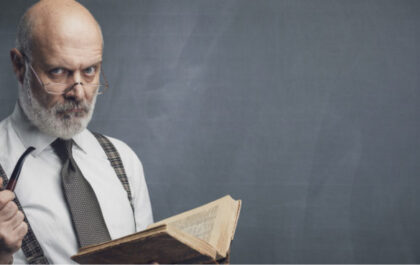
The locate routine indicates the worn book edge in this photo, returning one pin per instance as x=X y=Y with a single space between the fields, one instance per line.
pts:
x=192 y=242
x=236 y=218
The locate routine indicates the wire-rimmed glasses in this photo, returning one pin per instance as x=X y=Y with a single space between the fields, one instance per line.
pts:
x=62 y=88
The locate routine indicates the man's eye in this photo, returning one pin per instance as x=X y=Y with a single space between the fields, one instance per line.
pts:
x=90 y=70
x=57 y=71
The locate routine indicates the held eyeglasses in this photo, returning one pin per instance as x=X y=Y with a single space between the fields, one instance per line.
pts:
x=64 y=86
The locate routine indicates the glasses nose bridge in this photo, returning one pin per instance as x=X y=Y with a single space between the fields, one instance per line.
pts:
x=72 y=81
x=75 y=78
x=73 y=87
x=75 y=84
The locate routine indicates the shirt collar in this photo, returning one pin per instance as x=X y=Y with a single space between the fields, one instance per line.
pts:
x=30 y=135
x=81 y=140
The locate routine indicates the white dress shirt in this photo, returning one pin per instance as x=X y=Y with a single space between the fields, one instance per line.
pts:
x=40 y=193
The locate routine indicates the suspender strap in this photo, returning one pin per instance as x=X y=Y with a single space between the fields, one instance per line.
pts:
x=115 y=160
x=30 y=245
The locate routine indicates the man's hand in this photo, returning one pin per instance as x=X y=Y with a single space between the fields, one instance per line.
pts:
x=12 y=226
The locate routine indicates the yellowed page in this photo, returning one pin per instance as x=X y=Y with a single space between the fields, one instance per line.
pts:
x=198 y=224
x=212 y=222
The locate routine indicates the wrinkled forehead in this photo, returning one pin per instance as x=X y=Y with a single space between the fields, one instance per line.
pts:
x=70 y=39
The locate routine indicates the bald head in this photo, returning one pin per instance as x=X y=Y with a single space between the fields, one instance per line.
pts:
x=51 y=22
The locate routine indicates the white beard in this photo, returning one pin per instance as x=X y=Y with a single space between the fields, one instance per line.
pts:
x=55 y=121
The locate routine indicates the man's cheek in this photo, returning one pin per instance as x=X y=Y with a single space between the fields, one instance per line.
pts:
x=47 y=101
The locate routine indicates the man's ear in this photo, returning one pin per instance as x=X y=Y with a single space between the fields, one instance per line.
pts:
x=18 y=63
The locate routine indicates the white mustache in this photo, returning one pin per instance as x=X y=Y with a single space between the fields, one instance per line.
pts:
x=71 y=105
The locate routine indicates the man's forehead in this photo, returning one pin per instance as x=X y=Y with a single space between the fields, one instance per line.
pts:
x=67 y=40
x=68 y=56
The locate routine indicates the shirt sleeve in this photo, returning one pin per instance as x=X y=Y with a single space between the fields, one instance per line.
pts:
x=136 y=179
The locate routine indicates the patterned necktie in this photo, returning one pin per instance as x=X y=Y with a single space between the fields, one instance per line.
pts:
x=81 y=200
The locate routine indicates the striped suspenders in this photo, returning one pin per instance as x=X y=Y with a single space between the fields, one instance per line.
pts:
x=30 y=245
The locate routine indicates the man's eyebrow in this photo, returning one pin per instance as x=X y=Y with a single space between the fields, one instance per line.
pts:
x=49 y=66
x=52 y=66
x=97 y=63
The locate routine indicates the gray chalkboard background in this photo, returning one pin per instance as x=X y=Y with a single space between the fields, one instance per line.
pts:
x=306 y=110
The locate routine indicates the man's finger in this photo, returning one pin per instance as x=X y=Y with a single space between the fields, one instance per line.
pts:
x=21 y=230
x=8 y=211
x=16 y=220
x=5 y=197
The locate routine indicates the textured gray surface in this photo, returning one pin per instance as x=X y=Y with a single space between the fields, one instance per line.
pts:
x=307 y=110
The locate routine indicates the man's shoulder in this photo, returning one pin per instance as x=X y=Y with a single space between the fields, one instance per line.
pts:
x=119 y=144
x=124 y=150
x=132 y=164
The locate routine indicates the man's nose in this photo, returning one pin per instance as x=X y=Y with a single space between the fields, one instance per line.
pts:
x=77 y=90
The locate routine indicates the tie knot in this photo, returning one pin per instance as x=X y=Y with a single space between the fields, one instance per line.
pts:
x=63 y=148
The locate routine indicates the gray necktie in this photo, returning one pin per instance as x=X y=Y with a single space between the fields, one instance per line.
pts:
x=81 y=200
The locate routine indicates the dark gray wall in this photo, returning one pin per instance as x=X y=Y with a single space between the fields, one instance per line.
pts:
x=306 y=110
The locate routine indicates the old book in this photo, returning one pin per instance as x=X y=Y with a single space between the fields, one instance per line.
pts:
x=200 y=235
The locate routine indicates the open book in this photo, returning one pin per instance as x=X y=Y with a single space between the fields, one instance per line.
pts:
x=201 y=235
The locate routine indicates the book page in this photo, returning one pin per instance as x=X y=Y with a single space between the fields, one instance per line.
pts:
x=214 y=222
x=199 y=224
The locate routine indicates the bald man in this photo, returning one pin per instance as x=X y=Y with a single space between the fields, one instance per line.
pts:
x=58 y=65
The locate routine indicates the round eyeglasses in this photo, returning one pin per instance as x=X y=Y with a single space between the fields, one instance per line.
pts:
x=62 y=88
